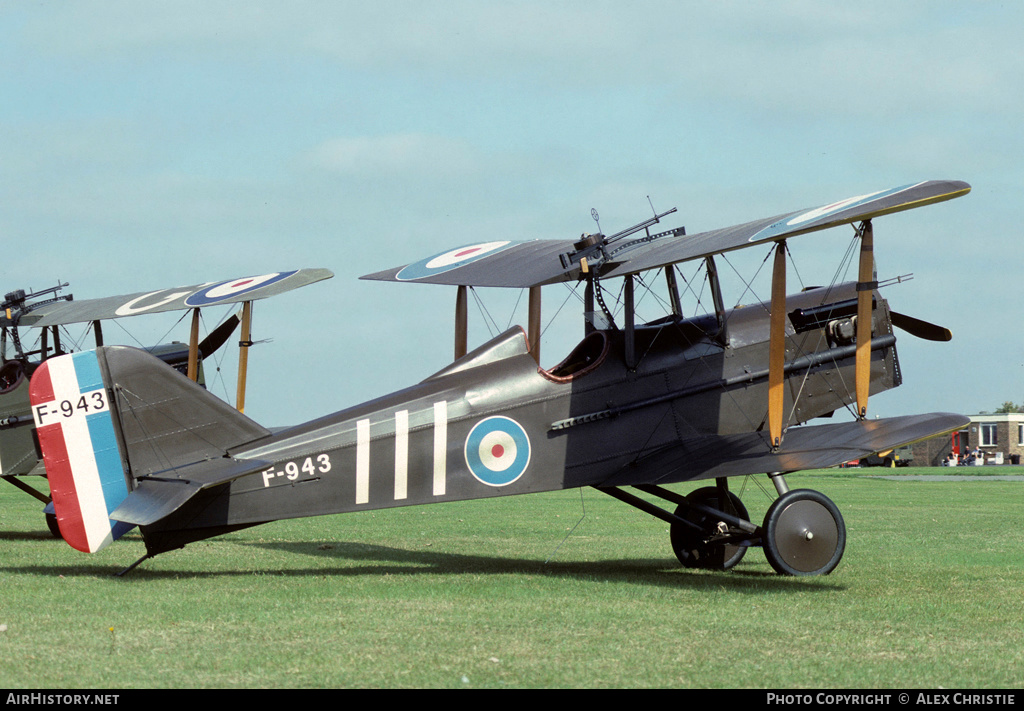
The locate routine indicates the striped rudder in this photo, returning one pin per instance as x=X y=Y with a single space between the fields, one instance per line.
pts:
x=71 y=408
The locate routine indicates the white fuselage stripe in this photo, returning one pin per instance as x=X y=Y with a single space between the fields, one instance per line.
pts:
x=440 y=447
x=401 y=454
x=362 y=461
x=401 y=491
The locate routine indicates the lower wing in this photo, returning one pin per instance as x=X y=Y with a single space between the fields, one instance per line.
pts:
x=804 y=447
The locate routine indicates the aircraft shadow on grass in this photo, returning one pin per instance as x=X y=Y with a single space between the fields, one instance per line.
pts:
x=384 y=561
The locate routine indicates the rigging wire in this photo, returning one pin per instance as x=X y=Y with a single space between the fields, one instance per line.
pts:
x=160 y=340
x=573 y=291
x=515 y=307
x=583 y=515
x=489 y=321
x=841 y=270
x=218 y=355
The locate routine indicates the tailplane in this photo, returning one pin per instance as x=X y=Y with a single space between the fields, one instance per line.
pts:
x=107 y=419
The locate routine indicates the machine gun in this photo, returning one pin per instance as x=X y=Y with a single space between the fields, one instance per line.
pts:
x=592 y=251
x=16 y=304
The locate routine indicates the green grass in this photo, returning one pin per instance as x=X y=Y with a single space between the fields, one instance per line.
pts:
x=507 y=593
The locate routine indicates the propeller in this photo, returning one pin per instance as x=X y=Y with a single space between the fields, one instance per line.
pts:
x=218 y=337
x=921 y=329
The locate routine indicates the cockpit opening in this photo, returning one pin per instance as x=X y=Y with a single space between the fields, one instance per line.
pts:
x=584 y=358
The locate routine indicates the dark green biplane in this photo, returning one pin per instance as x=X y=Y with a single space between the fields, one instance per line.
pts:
x=44 y=314
x=634 y=408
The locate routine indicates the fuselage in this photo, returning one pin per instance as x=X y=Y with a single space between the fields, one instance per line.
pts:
x=494 y=423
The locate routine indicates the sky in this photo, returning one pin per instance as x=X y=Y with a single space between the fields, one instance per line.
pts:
x=148 y=145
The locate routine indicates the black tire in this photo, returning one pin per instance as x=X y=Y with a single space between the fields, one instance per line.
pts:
x=690 y=545
x=804 y=534
x=51 y=523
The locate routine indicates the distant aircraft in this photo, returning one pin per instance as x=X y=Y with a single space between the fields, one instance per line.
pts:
x=128 y=442
x=49 y=311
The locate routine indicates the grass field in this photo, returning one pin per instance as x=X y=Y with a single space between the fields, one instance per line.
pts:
x=513 y=593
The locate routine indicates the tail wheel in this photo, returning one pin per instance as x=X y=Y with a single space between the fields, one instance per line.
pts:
x=697 y=549
x=804 y=534
x=51 y=523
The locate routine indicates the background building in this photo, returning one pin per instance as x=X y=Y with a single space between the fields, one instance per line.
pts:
x=999 y=438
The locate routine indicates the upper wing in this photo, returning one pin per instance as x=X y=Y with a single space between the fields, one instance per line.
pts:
x=186 y=297
x=538 y=262
x=855 y=209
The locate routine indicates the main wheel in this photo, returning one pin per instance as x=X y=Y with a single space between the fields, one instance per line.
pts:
x=691 y=546
x=804 y=534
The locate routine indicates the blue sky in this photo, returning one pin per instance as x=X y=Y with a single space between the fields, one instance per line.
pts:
x=156 y=144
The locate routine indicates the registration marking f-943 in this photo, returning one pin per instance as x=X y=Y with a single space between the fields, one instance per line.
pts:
x=294 y=469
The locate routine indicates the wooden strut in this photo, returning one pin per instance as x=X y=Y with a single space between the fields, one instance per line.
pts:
x=630 y=316
x=461 y=321
x=588 y=307
x=865 y=292
x=716 y=295
x=193 y=348
x=673 y=290
x=533 y=327
x=243 y=353
x=777 y=346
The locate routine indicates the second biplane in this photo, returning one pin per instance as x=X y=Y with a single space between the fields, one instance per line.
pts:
x=639 y=405
x=47 y=312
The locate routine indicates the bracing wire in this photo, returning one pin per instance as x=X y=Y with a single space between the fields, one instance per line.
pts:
x=489 y=321
x=583 y=515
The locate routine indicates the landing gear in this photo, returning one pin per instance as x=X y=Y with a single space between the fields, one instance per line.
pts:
x=705 y=547
x=803 y=534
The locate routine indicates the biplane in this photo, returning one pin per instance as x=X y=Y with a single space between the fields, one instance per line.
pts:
x=49 y=312
x=635 y=407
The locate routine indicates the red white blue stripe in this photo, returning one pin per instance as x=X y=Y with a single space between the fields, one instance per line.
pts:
x=80 y=450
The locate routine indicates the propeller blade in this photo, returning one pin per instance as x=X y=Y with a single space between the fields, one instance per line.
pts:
x=921 y=329
x=219 y=336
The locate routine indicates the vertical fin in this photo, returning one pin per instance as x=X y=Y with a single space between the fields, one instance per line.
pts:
x=71 y=408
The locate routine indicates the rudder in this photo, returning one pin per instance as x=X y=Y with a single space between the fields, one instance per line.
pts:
x=71 y=409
